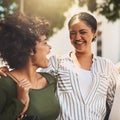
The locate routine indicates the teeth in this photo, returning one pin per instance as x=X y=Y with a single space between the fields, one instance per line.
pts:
x=78 y=42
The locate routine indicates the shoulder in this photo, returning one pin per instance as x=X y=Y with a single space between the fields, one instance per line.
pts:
x=6 y=82
x=105 y=65
x=49 y=77
x=55 y=60
x=103 y=60
x=106 y=69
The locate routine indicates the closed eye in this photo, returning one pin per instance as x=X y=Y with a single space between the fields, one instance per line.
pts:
x=82 y=32
x=72 y=33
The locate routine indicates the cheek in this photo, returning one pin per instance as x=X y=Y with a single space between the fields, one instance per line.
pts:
x=72 y=36
x=89 y=37
x=72 y=41
x=43 y=62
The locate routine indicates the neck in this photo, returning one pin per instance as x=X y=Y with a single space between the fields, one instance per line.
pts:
x=28 y=72
x=83 y=60
x=82 y=54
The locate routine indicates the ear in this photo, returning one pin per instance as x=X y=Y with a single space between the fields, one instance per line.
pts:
x=95 y=34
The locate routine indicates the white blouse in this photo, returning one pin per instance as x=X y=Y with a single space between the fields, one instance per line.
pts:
x=85 y=81
x=69 y=93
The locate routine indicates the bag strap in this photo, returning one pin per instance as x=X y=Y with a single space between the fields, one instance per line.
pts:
x=13 y=77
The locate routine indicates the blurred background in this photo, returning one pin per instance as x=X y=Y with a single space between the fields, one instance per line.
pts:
x=58 y=12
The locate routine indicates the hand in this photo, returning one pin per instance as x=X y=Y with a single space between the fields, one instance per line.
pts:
x=23 y=88
x=3 y=70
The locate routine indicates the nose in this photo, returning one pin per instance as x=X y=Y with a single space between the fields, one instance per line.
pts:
x=78 y=36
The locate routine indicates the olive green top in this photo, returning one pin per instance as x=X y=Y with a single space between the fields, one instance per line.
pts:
x=43 y=102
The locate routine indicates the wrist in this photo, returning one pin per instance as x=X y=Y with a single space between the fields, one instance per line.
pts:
x=25 y=108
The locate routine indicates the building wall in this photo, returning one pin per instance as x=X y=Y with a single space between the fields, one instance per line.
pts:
x=111 y=40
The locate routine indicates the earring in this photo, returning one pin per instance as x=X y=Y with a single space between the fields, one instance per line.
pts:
x=94 y=39
x=32 y=53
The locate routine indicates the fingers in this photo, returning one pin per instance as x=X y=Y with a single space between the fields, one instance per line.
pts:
x=23 y=87
x=25 y=84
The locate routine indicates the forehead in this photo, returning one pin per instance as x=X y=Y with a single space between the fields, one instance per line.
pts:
x=79 y=24
x=42 y=37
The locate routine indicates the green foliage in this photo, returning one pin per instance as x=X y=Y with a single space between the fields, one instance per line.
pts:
x=91 y=4
x=108 y=8
x=111 y=9
x=7 y=7
x=53 y=10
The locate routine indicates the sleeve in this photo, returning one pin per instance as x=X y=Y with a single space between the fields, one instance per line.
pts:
x=113 y=80
x=53 y=66
x=9 y=108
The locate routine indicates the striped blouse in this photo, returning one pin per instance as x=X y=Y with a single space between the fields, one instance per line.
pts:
x=73 y=106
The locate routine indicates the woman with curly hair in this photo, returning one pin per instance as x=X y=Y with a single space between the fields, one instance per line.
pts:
x=24 y=48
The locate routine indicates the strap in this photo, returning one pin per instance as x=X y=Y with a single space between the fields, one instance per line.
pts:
x=13 y=77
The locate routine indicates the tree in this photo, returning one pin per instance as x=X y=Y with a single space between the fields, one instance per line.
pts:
x=108 y=8
x=53 y=10
x=7 y=7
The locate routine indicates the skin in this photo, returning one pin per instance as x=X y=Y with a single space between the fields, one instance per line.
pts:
x=39 y=59
x=81 y=35
x=27 y=76
x=42 y=49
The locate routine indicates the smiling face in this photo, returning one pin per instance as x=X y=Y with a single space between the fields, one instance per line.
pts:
x=81 y=35
x=39 y=59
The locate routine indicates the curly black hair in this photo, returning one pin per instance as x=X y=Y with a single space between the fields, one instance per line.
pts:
x=18 y=36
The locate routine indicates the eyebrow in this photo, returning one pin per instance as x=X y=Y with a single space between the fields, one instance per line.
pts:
x=79 y=30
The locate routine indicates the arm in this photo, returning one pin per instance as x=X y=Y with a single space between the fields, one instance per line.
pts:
x=9 y=108
x=53 y=67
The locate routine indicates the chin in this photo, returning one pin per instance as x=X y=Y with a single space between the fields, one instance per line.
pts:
x=45 y=66
x=79 y=50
